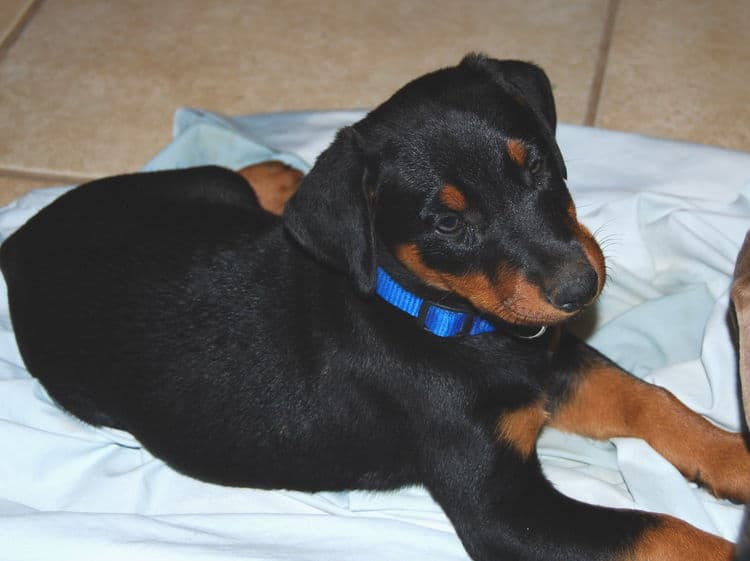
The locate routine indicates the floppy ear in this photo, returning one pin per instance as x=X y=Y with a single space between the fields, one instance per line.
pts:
x=329 y=216
x=529 y=84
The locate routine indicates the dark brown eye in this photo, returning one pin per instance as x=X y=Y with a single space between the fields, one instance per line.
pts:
x=449 y=224
x=535 y=166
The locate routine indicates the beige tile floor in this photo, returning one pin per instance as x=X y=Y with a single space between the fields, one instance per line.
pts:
x=88 y=87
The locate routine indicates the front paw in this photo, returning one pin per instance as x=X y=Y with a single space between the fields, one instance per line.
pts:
x=724 y=468
x=674 y=540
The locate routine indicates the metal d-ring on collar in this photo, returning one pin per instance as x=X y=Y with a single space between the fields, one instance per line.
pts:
x=541 y=331
x=438 y=319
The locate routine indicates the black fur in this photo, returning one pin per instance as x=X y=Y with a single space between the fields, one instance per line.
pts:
x=249 y=350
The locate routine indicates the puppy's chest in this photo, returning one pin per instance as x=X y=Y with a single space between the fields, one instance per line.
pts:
x=494 y=376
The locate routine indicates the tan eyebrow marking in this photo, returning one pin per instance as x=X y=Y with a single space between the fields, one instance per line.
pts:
x=453 y=198
x=516 y=151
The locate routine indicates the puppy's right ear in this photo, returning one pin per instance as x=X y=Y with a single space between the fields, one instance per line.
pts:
x=528 y=83
x=330 y=217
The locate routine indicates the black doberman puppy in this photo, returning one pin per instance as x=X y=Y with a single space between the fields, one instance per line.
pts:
x=399 y=324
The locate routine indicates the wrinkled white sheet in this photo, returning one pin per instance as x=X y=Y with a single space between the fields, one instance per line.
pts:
x=671 y=217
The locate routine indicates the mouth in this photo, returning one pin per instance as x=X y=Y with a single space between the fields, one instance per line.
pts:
x=510 y=296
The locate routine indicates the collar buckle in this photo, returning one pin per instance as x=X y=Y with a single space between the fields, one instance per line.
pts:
x=542 y=330
x=424 y=309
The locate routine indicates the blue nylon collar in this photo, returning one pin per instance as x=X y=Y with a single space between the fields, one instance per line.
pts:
x=439 y=320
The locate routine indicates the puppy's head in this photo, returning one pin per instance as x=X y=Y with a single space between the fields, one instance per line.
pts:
x=458 y=176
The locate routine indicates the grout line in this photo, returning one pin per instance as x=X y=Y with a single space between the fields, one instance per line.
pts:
x=58 y=178
x=15 y=28
x=601 y=63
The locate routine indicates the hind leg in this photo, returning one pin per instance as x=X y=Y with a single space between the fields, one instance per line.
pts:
x=81 y=406
x=274 y=183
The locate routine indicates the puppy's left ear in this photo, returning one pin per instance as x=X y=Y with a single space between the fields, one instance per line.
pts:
x=330 y=216
x=530 y=85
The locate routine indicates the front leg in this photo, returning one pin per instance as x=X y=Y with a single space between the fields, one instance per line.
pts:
x=493 y=490
x=603 y=401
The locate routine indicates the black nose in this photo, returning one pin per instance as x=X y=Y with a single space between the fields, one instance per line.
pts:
x=573 y=287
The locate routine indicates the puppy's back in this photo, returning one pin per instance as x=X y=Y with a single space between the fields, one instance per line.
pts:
x=115 y=259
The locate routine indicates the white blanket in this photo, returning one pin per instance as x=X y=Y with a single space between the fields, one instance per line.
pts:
x=671 y=217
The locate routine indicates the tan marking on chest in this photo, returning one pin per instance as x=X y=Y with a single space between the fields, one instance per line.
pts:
x=520 y=428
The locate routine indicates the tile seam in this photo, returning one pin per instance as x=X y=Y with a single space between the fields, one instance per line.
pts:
x=602 y=59
x=16 y=27
x=52 y=177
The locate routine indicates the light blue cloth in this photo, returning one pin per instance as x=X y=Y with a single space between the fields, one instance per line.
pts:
x=208 y=138
x=671 y=217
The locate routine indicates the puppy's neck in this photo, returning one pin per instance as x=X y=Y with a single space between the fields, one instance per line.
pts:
x=451 y=315
x=409 y=281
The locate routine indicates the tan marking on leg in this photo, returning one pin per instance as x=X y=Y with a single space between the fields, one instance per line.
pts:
x=516 y=151
x=608 y=402
x=675 y=540
x=453 y=198
x=520 y=428
x=273 y=182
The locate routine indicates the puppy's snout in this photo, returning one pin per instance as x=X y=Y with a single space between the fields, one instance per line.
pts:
x=573 y=287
